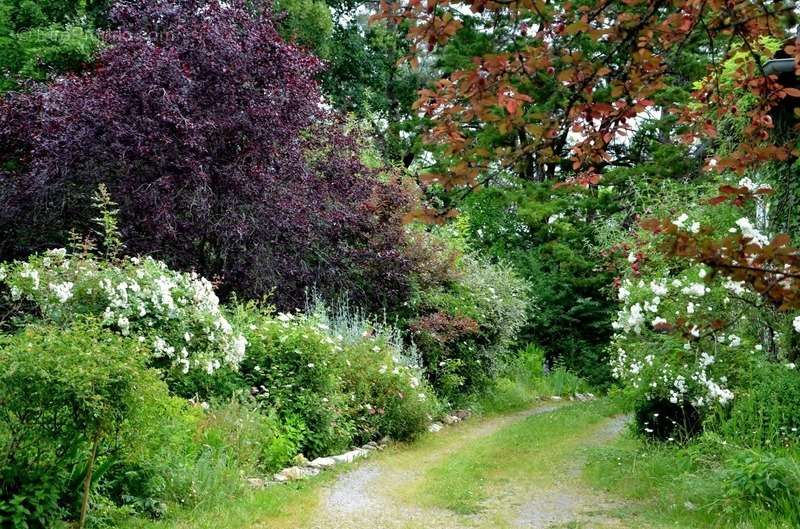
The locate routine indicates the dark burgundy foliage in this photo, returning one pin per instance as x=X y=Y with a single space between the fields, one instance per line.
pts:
x=207 y=129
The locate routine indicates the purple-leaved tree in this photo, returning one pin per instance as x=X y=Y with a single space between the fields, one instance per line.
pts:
x=208 y=131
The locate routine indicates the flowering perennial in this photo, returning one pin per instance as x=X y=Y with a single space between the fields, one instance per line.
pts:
x=688 y=367
x=176 y=314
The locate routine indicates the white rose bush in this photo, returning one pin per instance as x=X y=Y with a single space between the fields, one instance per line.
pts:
x=672 y=343
x=177 y=315
x=690 y=329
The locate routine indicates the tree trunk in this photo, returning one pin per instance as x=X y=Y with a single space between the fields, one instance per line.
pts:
x=87 y=482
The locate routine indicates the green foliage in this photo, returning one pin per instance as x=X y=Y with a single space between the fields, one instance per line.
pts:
x=337 y=376
x=565 y=383
x=108 y=222
x=548 y=235
x=41 y=39
x=467 y=326
x=180 y=455
x=385 y=391
x=764 y=413
x=763 y=481
x=306 y=22
x=365 y=76
x=708 y=484
x=63 y=391
x=291 y=365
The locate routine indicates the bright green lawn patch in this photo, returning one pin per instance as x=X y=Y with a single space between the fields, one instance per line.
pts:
x=683 y=487
x=527 y=451
x=275 y=507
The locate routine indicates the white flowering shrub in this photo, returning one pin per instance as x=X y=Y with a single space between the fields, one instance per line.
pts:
x=688 y=337
x=339 y=386
x=672 y=342
x=177 y=315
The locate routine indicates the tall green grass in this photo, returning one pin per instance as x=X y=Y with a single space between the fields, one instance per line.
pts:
x=524 y=381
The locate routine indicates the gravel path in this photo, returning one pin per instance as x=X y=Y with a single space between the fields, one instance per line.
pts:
x=365 y=497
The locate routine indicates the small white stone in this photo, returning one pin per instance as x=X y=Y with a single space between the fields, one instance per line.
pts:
x=323 y=462
x=256 y=483
x=352 y=455
x=450 y=419
x=296 y=473
x=435 y=427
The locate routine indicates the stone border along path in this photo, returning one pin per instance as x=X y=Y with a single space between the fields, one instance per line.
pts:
x=304 y=469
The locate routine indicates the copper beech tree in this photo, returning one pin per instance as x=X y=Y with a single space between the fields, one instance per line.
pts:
x=568 y=82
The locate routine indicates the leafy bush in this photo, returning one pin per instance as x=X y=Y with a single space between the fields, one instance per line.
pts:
x=467 y=326
x=292 y=367
x=64 y=392
x=178 y=315
x=40 y=39
x=172 y=120
x=385 y=392
x=193 y=455
x=765 y=413
x=758 y=480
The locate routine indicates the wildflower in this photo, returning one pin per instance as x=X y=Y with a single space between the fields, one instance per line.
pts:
x=796 y=323
x=695 y=289
x=681 y=220
x=63 y=291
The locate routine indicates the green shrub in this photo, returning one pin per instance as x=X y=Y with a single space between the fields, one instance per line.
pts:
x=190 y=455
x=467 y=327
x=765 y=411
x=385 y=392
x=760 y=480
x=292 y=367
x=65 y=392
